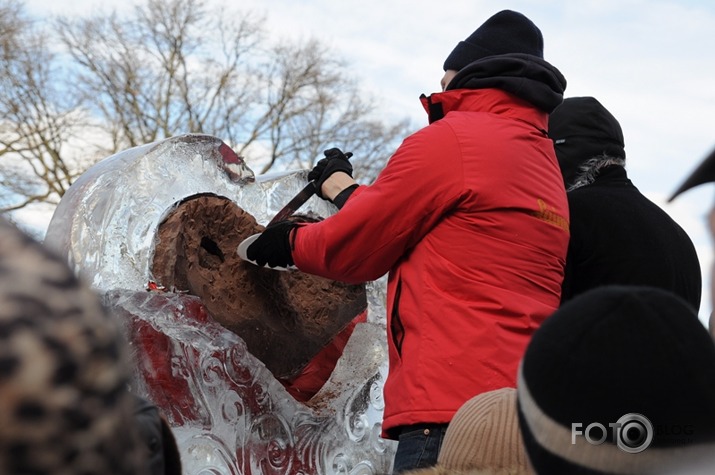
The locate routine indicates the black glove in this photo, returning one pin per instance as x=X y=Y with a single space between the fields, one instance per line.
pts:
x=335 y=161
x=273 y=246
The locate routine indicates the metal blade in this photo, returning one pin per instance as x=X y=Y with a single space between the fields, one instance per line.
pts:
x=295 y=203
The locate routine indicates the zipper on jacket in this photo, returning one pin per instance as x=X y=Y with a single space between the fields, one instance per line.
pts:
x=396 y=328
x=435 y=111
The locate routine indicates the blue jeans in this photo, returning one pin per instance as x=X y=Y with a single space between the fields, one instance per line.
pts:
x=418 y=446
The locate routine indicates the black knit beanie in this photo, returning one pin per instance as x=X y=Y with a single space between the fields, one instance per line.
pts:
x=505 y=32
x=581 y=129
x=635 y=361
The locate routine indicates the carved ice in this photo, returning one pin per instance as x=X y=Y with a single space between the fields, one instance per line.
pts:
x=230 y=415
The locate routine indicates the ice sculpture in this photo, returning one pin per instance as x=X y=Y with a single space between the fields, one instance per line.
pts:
x=224 y=375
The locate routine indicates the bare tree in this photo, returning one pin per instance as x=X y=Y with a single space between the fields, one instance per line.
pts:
x=107 y=83
x=177 y=66
x=311 y=102
x=38 y=119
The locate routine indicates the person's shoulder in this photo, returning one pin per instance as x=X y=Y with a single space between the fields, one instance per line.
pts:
x=159 y=440
x=438 y=134
x=439 y=470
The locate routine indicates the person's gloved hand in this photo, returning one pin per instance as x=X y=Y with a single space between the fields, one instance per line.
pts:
x=335 y=161
x=273 y=246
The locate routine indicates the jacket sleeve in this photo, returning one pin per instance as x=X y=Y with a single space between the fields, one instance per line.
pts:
x=379 y=224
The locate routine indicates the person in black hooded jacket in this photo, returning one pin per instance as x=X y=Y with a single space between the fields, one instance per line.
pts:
x=618 y=236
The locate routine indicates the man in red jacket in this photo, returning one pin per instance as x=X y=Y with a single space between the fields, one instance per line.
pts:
x=470 y=219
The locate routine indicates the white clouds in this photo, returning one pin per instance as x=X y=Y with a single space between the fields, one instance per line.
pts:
x=75 y=7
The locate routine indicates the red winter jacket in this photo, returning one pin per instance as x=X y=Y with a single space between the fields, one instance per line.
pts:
x=469 y=217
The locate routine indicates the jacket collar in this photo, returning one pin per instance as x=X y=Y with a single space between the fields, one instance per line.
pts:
x=489 y=100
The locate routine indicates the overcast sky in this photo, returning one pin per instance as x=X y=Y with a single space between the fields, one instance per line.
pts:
x=651 y=63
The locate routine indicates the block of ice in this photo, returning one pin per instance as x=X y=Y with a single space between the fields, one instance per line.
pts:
x=195 y=353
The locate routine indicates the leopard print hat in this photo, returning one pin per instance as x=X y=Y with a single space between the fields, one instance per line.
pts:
x=64 y=404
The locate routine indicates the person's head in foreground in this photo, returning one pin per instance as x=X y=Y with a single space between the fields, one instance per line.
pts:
x=635 y=361
x=64 y=404
x=587 y=138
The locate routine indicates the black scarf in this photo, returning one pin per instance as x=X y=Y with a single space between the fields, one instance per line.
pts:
x=526 y=76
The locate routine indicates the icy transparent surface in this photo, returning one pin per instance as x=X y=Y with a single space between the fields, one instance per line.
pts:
x=231 y=416
x=107 y=221
x=228 y=412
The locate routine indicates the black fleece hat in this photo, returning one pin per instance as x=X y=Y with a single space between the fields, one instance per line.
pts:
x=704 y=173
x=505 y=32
x=581 y=129
x=635 y=356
